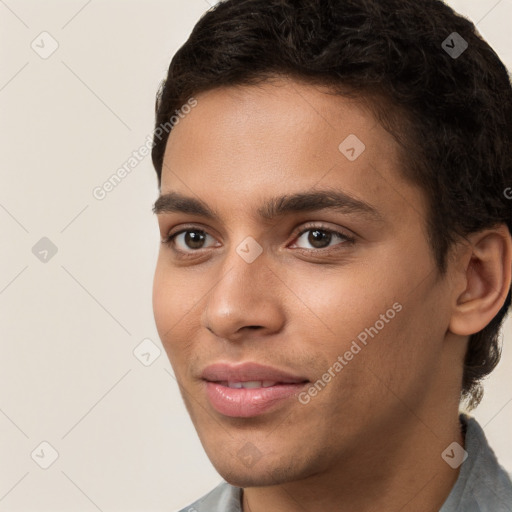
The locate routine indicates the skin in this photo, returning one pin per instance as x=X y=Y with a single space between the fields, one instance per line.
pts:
x=372 y=439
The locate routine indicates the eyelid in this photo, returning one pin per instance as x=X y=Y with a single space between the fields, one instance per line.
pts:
x=345 y=233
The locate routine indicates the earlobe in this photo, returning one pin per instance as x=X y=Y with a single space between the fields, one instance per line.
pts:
x=487 y=281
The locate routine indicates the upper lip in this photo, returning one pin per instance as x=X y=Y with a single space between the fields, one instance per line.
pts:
x=248 y=371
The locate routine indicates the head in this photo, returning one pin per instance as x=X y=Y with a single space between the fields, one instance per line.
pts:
x=335 y=96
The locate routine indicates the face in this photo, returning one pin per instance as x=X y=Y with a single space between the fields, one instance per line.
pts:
x=338 y=294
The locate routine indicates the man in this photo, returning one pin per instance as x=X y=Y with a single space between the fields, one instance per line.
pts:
x=336 y=252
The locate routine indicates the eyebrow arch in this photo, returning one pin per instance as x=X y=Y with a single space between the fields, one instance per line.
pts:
x=174 y=202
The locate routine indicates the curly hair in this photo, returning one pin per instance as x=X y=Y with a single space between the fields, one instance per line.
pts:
x=450 y=113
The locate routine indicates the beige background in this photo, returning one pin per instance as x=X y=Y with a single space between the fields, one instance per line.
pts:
x=69 y=326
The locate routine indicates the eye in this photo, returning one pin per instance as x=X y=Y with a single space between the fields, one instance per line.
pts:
x=187 y=240
x=190 y=240
x=320 y=237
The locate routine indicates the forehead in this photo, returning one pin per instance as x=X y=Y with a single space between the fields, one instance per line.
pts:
x=276 y=116
x=253 y=141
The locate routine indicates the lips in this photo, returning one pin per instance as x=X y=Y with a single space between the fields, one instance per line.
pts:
x=249 y=372
x=249 y=389
x=252 y=384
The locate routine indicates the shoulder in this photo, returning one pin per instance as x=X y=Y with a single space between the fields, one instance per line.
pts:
x=483 y=484
x=223 y=498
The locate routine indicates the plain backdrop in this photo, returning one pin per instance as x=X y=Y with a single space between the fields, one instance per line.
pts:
x=76 y=272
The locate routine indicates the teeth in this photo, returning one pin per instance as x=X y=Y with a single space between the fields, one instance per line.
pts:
x=251 y=384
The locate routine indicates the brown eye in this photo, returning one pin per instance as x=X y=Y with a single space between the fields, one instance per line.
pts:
x=187 y=240
x=321 y=238
x=194 y=239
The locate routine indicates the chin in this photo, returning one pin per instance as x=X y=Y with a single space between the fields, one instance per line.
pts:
x=262 y=473
x=251 y=478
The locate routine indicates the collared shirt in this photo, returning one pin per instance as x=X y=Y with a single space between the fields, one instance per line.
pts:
x=482 y=485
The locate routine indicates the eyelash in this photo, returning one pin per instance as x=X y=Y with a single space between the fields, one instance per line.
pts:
x=347 y=239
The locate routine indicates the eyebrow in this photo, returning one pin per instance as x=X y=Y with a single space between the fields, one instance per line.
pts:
x=174 y=202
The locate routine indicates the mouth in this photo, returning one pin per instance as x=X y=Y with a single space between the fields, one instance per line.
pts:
x=253 y=384
x=251 y=398
x=249 y=372
x=249 y=389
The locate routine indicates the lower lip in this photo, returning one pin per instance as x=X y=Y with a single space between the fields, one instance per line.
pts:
x=245 y=403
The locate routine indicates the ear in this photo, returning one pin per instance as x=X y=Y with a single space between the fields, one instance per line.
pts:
x=485 y=281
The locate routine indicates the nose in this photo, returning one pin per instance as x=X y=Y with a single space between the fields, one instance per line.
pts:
x=245 y=302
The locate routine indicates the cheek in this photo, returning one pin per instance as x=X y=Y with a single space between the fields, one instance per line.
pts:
x=163 y=309
x=368 y=314
x=173 y=305
x=342 y=302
